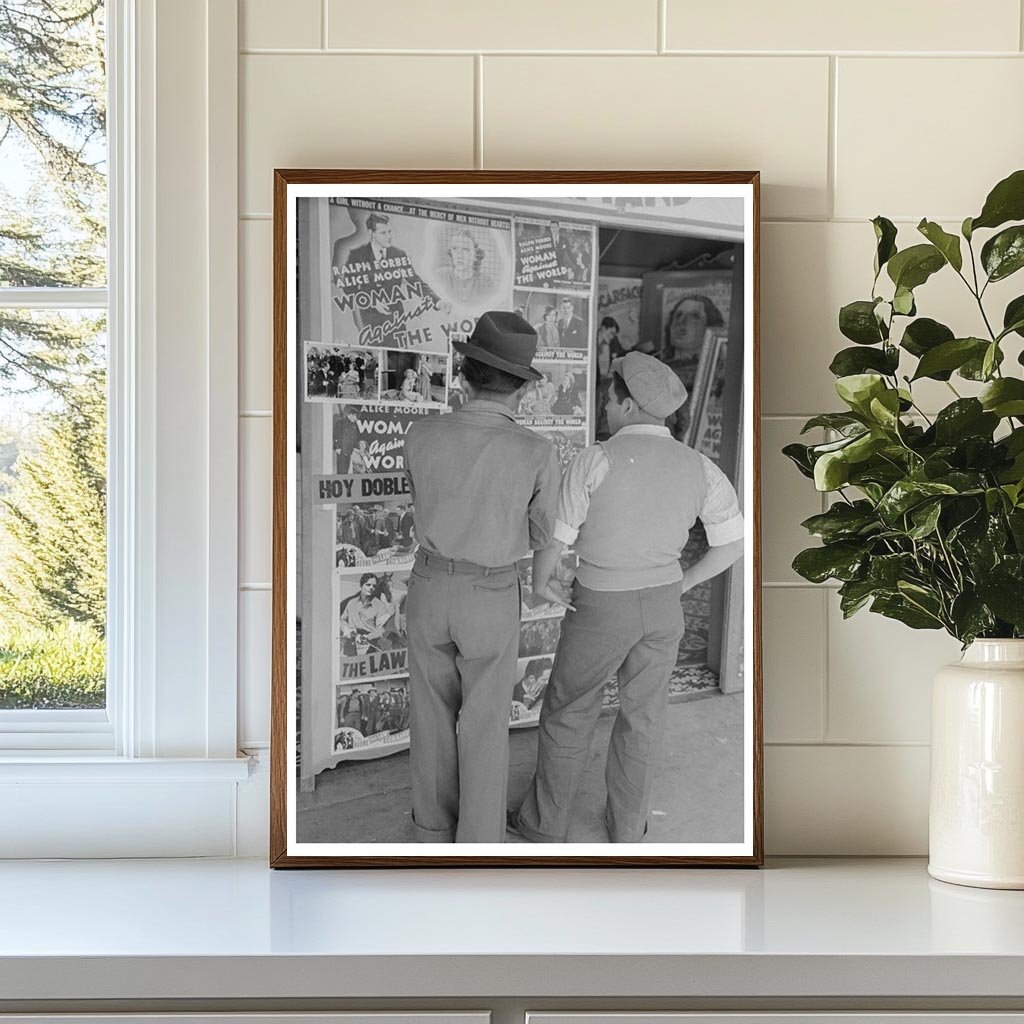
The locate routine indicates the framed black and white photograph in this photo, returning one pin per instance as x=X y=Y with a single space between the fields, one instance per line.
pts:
x=516 y=529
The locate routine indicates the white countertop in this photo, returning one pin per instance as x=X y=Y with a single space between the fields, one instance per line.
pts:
x=233 y=929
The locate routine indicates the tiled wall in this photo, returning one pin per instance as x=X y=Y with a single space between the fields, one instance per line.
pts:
x=905 y=109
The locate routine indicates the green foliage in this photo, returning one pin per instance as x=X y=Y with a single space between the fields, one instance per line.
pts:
x=52 y=234
x=52 y=530
x=927 y=525
x=59 y=668
x=52 y=124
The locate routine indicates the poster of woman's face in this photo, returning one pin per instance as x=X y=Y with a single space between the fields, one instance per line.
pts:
x=685 y=312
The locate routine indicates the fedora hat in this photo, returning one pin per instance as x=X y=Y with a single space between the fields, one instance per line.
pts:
x=502 y=340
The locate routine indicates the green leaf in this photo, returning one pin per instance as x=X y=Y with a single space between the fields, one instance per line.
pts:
x=881 y=471
x=900 y=609
x=1004 y=397
x=949 y=356
x=1014 y=441
x=925 y=334
x=886 y=571
x=1003 y=254
x=907 y=494
x=842 y=521
x=799 y=455
x=863 y=447
x=966 y=417
x=965 y=228
x=831 y=471
x=1015 y=519
x=970 y=617
x=833 y=420
x=885 y=236
x=903 y=302
x=974 y=368
x=872 y=491
x=996 y=499
x=1005 y=202
x=818 y=450
x=858 y=389
x=991 y=360
x=885 y=409
x=981 y=538
x=1013 y=317
x=1002 y=593
x=854 y=594
x=857 y=321
x=850 y=361
x=947 y=244
x=964 y=482
x=840 y=561
x=925 y=518
x=913 y=266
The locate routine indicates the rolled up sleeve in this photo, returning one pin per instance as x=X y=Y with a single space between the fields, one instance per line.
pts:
x=720 y=513
x=584 y=475
x=543 y=504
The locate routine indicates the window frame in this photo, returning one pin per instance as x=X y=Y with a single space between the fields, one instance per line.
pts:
x=170 y=152
x=71 y=729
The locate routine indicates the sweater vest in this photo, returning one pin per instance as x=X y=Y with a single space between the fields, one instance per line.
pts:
x=641 y=514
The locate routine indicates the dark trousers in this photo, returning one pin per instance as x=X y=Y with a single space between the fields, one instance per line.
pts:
x=636 y=634
x=463 y=630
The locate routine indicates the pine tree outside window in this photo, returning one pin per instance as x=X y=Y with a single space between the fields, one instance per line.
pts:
x=53 y=361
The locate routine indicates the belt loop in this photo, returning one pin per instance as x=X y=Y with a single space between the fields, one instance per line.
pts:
x=451 y=567
x=487 y=570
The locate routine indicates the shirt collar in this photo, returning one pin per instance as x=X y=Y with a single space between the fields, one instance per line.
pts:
x=485 y=405
x=653 y=429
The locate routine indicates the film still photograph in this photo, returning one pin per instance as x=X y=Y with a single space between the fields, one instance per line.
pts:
x=516 y=576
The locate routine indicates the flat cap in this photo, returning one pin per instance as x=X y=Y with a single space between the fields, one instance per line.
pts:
x=653 y=385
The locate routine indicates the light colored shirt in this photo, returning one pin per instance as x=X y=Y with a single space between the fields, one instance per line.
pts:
x=720 y=510
x=484 y=487
x=365 y=618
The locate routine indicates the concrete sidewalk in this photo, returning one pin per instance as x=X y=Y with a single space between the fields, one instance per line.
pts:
x=698 y=794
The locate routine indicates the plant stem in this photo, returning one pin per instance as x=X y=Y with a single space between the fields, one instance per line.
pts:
x=924 y=415
x=953 y=567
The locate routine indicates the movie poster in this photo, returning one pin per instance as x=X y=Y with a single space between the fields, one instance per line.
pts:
x=370 y=637
x=554 y=254
x=371 y=719
x=684 y=312
x=337 y=374
x=562 y=323
x=371 y=438
x=407 y=276
x=617 y=332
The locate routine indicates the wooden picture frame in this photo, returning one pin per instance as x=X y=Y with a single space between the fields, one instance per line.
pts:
x=352 y=704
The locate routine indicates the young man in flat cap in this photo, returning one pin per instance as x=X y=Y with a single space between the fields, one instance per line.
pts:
x=627 y=504
x=484 y=492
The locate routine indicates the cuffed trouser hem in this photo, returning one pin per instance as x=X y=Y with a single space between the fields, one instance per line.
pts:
x=620 y=838
x=517 y=825
x=433 y=835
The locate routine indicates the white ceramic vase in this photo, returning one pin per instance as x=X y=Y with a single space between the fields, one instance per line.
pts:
x=976 y=813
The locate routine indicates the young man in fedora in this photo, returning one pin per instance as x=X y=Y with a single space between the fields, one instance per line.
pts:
x=627 y=504
x=484 y=493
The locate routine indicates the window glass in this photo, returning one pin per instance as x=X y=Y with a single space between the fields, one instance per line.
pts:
x=53 y=387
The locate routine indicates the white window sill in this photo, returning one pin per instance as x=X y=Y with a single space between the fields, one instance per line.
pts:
x=75 y=766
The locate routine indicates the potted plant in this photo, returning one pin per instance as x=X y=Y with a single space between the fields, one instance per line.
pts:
x=926 y=524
